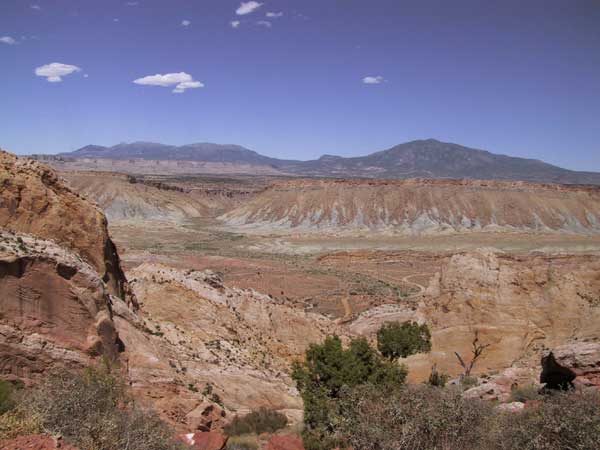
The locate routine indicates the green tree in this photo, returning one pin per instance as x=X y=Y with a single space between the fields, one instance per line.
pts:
x=399 y=340
x=326 y=372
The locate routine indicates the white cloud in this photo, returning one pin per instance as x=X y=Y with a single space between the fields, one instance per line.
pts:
x=55 y=71
x=181 y=81
x=264 y=23
x=132 y=3
x=274 y=15
x=186 y=23
x=181 y=87
x=8 y=40
x=247 y=7
x=235 y=23
x=115 y=20
x=373 y=79
x=38 y=7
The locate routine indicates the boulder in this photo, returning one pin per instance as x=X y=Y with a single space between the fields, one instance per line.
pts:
x=582 y=359
x=207 y=416
x=499 y=387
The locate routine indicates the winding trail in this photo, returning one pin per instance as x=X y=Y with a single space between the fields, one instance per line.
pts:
x=419 y=286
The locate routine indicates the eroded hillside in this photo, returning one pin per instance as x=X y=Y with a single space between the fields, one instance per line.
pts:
x=420 y=206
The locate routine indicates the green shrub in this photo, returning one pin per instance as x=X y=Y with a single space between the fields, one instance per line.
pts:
x=93 y=411
x=399 y=340
x=327 y=371
x=260 y=421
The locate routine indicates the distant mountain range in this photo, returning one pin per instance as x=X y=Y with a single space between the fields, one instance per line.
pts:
x=428 y=158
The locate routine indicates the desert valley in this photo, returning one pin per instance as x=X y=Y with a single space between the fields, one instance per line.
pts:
x=206 y=287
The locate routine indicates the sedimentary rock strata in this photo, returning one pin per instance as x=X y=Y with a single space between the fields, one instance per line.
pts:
x=420 y=206
x=522 y=306
x=34 y=200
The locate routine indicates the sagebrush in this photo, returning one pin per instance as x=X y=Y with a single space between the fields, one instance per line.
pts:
x=92 y=410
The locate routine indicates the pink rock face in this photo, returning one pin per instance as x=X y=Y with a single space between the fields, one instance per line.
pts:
x=55 y=309
x=285 y=442
x=211 y=440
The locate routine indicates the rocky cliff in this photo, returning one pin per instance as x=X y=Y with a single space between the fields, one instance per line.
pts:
x=60 y=275
x=522 y=306
x=55 y=311
x=34 y=200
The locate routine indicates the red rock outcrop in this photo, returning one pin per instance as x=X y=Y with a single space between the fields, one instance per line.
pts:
x=34 y=200
x=58 y=270
x=55 y=309
x=36 y=442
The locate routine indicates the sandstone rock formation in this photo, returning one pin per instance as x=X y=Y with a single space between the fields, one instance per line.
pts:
x=521 y=305
x=210 y=342
x=420 y=206
x=580 y=359
x=59 y=275
x=499 y=387
x=34 y=200
x=55 y=309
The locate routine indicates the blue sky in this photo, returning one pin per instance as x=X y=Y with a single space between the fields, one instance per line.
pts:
x=513 y=77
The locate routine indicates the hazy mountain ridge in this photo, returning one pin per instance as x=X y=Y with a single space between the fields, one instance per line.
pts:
x=422 y=158
x=208 y=152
